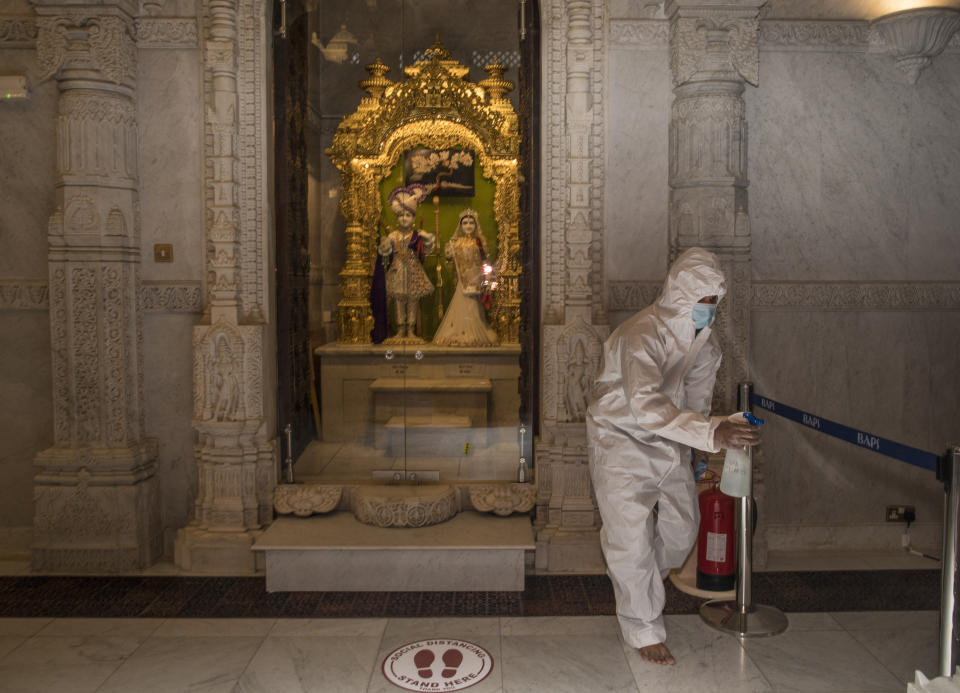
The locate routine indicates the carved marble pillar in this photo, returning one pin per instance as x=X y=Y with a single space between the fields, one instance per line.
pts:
x=236 y=452
x=95 y=491
x=713 y=51
x=575 y=323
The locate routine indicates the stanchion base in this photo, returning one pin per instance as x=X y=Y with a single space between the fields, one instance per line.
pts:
x=759 y=622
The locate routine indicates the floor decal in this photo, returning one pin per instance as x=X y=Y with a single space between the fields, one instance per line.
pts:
x=437 y=665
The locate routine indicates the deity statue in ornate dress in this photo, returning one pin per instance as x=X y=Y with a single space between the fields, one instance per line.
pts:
x=465 y=320
x=402 y=252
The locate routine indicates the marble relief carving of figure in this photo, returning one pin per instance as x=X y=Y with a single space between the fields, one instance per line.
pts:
x=227 y=384
x=465 y=320
x=578 y=383
x=402 y=251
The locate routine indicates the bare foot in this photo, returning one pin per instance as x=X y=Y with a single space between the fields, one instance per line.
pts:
x=658 y=654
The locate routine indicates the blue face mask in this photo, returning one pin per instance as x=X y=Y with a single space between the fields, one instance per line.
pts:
x=703 y=314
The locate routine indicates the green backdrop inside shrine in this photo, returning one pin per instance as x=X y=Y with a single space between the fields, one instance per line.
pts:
x=450 y=208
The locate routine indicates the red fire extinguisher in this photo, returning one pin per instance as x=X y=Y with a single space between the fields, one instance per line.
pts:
x=716 y=543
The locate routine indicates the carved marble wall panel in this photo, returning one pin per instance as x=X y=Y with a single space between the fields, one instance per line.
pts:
x=573 y=353
x=573 y=144
x=573 y=262
x=97 y=399
x=160 y=297
x=171 y=297
x=228 y=367
x=814 y=36
x=22 y=295
x=166 y=32
x=632 y=296
x=649 y=34
x=818 y=35
x=567 y=521
x=856 y=296
x=18 y=31
x=236 y=453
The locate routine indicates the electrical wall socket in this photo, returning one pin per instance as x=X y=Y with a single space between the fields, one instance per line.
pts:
x=901 y=513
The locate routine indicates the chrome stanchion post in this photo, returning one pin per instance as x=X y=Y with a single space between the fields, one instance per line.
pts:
x=744 y=554
x=288 y=462
x=948 y=574
x=745 y=518
x=742 y=617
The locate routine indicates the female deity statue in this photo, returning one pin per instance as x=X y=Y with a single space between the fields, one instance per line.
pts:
x=465 y=321
x=402 y=251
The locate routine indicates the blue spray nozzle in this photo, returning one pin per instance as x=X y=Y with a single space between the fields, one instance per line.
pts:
x=700 y=473
x=751 y=419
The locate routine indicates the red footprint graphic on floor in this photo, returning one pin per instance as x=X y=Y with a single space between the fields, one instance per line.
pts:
x=423 y=659
x=452 y=659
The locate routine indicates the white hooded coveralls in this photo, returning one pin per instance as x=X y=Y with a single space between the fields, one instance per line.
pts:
x=650 y=405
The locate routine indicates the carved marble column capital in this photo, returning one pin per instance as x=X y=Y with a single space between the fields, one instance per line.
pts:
x=714 y=41
x=92 y=42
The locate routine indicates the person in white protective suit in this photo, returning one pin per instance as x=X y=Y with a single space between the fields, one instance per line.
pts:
x=650 y=406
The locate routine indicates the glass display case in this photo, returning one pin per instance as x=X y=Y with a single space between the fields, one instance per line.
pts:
x=416 y=251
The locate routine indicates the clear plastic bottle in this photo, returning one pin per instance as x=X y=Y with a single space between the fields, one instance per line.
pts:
x=737 y=476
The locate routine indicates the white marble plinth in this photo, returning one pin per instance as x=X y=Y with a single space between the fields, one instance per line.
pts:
x=471 y=552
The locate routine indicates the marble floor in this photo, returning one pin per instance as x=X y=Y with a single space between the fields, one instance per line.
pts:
x=840 y=651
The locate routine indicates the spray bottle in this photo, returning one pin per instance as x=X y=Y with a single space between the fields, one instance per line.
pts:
x=737 y=463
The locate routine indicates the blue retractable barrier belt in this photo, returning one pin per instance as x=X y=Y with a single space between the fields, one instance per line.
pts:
x=918 y=458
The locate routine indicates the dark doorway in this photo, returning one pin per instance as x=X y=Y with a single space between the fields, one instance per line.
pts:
x=295 y=401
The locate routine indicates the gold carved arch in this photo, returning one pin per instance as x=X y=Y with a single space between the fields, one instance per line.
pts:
x=435 y=107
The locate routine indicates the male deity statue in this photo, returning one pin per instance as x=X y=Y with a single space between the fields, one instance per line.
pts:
x=402 y=251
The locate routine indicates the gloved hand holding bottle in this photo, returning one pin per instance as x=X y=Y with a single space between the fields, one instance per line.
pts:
x=737 y=431
x=736 y=479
